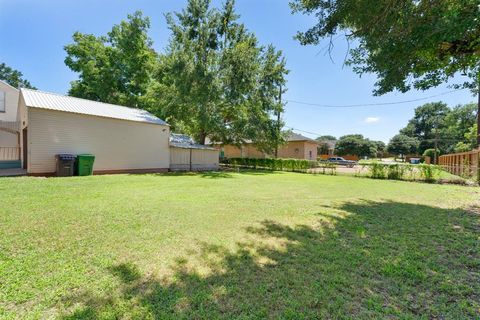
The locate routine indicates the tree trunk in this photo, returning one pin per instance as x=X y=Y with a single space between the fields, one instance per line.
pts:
x=478 y=118
x=202 y=138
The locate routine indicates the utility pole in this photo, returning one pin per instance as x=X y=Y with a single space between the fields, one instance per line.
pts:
x=278 y=121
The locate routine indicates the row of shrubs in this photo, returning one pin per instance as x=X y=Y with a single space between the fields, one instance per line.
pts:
x=297 y=165
x=375 y=170
x=403 y=171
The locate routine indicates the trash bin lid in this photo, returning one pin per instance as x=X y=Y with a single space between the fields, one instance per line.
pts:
x=86 y=156
x=66 y=156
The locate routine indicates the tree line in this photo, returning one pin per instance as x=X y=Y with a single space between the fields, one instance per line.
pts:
x=436 y=126
x=351 y=144
x=433 y=125
x=215 y=80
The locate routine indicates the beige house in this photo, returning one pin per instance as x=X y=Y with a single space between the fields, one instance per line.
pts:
x=122 y=139
x=9 y=127
x=297 y=147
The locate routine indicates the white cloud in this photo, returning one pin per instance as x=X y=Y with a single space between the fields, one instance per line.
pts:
x=372 y=119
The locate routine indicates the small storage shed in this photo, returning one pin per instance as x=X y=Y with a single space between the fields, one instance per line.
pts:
x=186 y=155
x=122 y=139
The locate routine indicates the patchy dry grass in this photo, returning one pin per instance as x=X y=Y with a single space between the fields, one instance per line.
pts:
x=249 y=245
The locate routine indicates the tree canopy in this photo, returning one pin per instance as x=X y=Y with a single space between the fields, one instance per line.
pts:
x=406 y=43
x=14 y=77
x=356 y=144
x=402 y=144
x=214 y=79
x=436 y=121
x=116 y=68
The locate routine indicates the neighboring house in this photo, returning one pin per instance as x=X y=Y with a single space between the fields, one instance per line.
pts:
x=185 y=154
x=122 y=139
x=297 y=147
x=9 y=127
x=326 y=147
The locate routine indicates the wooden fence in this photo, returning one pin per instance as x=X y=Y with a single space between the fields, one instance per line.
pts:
x=465 y=164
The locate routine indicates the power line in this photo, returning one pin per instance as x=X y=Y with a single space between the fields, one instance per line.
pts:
x=394 y=142
x=292 y=128
x=371 y=104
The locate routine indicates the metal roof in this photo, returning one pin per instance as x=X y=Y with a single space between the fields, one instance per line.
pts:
x=184 y=141
x=53 y=101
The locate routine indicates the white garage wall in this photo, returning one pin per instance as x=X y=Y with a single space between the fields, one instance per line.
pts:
x=116 y=144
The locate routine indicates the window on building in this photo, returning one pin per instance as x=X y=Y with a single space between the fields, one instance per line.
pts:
x=310 y=154
x=2 y=101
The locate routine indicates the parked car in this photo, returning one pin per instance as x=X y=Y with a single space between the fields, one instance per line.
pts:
x=341 y=161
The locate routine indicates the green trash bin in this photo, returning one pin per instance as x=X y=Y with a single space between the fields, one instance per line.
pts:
x=85 y=164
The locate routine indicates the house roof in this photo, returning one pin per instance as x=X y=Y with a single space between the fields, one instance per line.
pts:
x=298 y=137
x=184 y=141
x=53 y=101
x=292 y=136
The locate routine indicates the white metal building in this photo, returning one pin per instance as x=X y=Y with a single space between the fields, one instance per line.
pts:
x=122 y=139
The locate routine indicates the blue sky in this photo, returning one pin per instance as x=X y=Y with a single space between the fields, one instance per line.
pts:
x=34 y=32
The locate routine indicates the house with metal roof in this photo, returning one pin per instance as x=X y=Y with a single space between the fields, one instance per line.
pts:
x=297 y=146
x=122 y=139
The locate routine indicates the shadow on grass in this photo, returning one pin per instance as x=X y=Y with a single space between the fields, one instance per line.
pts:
x=366 y=260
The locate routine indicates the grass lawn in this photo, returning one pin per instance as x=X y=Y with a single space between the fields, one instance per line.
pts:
x=237 y=245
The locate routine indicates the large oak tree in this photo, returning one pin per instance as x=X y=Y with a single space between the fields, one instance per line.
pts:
x=116 y=68
x=217 y=81
x=406 y=43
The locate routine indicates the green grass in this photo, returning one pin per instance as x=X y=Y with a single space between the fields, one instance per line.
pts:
x=237 y=245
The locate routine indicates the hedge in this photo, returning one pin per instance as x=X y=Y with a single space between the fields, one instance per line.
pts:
x=297 y=165
x=397 y=171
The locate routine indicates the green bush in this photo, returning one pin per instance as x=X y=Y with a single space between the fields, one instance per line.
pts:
x=377 y=170
x=431 y=153
x=429 y=172
x=396 y=172
x=299 y=165
x=405 y=171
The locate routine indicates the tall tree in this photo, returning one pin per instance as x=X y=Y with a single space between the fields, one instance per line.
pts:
x=406 y=43
x=436 y=121
x=459 y=121
x=402 y=144
x=355 y=144
x=14 y=77
x=325 y=144
x=116 y=68
x=428 y=125
x=469 y=142
x=216 y=81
